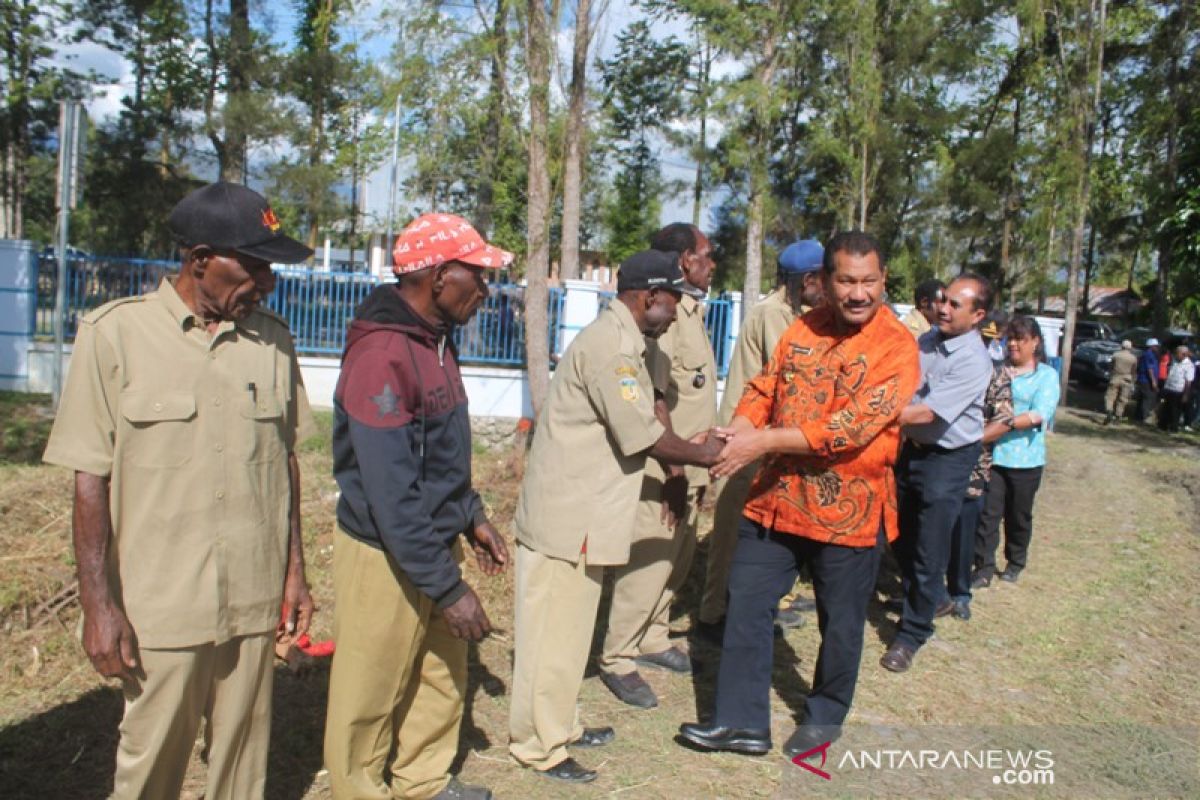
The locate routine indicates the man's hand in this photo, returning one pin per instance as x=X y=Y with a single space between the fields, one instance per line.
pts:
x=298 y=606
x=109 y=641
x=466 y=617
x=490 y=551
x=674 y=500
x=741 y=448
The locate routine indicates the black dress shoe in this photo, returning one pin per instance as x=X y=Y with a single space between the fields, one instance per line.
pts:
x=789 y=619
x=570 y=771
x=735 y=740
x=962 y=610
x=981 y=580
x=456 y=790
x=944 y=608
x=631 y=689
x=898 y=658
x=806 y=737
x=672 y=659
x=1010 y=575
x=595 y=737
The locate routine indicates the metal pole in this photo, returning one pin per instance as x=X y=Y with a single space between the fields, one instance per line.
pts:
x=68 y=112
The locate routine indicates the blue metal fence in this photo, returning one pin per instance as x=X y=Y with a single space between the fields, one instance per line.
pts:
x=318 y=306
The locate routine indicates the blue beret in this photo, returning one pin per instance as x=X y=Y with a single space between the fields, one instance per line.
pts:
x=801 y=257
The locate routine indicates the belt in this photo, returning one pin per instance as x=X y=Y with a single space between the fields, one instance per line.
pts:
x=937 y=448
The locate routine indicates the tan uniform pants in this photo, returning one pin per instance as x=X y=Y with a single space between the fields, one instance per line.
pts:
x=230 y=684
x=639 y=620
x=398 y=681
x=555 y=616
x=1116 y=397
x=723 y=540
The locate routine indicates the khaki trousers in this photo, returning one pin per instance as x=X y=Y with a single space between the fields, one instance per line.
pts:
x=1117 y=396
x=230 y=684
x=398 y=681
x=723 y=540
x=639 y=620
x=555 y=616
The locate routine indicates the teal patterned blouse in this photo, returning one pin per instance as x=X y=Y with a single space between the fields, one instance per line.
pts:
x=1033 y=391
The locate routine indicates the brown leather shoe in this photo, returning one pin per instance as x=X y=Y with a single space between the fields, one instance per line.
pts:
x=898 y=658
x=944 y=608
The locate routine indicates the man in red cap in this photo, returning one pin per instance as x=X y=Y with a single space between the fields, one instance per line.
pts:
x=402 y=459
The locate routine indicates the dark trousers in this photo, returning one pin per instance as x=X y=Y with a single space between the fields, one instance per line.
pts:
x=1171 y=410
x=1147 y=401
x=931 y=484
x=1009 y=498
x=764 y=569
x=962 y=550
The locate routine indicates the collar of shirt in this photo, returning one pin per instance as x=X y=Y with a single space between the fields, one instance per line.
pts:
x=953 y=344
x=184 y=316
x=689 y=305
x=626 y=321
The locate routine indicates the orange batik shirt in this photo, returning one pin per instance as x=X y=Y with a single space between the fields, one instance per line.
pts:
x=844 y=392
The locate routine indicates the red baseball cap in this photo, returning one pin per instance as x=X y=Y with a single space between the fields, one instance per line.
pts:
x=433 y=239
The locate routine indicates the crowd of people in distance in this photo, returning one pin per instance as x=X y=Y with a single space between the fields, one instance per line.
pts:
x=1160 y=380
x=844 y=433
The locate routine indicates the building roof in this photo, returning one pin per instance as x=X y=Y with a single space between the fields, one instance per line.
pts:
x=1103 y=301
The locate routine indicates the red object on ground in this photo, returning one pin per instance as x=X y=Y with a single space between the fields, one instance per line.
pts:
x=315 y=649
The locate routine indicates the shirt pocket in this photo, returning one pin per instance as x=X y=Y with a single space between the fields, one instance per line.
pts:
x=263 y=413
x=161 y=428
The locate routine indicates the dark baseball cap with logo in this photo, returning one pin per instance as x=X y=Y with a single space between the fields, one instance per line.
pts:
x=653 y=269
x=228 y=216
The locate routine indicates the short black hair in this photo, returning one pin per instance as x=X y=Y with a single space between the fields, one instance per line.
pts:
x=983 y=298
x=678 y=237
x=856 y=243
x=927 y=290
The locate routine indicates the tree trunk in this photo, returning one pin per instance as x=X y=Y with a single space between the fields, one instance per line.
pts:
x=537 y=268
x=485 y=207
x=1011 y=202
x=704 y=51
x=573 y=158
x=759 y=179
x=233 y=165
x=1085 y=110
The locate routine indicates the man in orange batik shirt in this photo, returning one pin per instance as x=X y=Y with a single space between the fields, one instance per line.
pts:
x=823 y=417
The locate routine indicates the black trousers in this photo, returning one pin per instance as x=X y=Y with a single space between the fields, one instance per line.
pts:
x=764 y=569
x=1171 y=411
x=931 y=485
x=1009 y=498
x=1147 y=401
x=962 y=550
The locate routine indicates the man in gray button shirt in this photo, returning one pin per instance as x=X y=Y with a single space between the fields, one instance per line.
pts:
x=943 y=428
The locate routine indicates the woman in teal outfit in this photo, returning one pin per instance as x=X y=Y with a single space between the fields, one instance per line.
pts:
x=1018 y=457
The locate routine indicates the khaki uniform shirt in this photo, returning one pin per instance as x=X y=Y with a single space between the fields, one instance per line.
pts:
x=761 y=331
x=691 y=391
x=585 y=467
x=1124 y=367
x=193 y=432
x=916 y=323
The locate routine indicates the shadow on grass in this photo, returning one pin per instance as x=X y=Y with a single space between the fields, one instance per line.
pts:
x=67 y=751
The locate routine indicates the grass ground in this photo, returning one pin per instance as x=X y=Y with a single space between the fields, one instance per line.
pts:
x=1101 y=635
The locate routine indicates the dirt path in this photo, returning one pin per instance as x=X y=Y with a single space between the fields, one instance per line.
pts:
x=1101 y=636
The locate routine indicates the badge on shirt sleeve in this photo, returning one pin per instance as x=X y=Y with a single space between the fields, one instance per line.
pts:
x=626 y=371
x=629 y=389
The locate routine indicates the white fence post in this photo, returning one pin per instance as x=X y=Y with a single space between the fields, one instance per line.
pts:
x=18 y=302
x=579 y=308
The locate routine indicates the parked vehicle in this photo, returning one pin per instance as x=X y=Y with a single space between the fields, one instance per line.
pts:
x=1090 y=331
x=1091 y=361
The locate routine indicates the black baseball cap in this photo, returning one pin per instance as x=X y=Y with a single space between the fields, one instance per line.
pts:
x=229 y=216
x=653 y=269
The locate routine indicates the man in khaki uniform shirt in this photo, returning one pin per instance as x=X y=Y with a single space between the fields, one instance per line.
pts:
x=664 y=531
x=799 y=290
x=577 y=505
x=180 y=416
x=1120 y=383
x=923 y=314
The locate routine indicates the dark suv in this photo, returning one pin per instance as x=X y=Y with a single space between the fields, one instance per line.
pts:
x=1089 y=331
